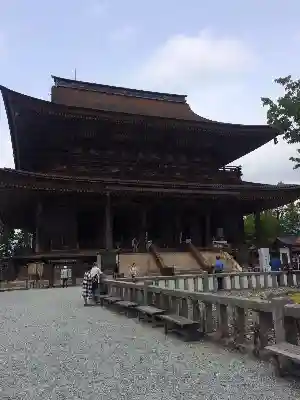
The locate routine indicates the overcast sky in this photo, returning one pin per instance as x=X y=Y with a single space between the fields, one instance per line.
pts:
x=223 y=54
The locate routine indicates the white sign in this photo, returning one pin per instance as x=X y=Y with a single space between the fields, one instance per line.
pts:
x=264 y=259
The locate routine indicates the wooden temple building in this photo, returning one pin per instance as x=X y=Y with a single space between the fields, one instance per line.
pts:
x=100 y=165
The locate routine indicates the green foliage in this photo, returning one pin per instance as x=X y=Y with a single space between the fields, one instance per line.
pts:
x=11 y=243
x=278 y=222
x=284 y=113
x=270 y=226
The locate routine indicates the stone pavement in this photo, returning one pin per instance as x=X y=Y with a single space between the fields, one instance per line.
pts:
x=51 y=347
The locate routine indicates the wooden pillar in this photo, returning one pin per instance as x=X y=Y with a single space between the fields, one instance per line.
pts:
x=178 y=229
x=207 y=230
x=108 y=223
x=257 y=223
x=143 y=228
x=38 y=238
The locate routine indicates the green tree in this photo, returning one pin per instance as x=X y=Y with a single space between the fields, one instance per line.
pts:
x=12 y=242
x=270 y=226
x=290 y=219
x=284 y=112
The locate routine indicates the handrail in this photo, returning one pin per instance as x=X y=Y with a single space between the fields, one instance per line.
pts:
x=201 y=261
x=164 y=270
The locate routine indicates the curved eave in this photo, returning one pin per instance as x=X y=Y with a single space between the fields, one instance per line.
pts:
x=14 y=178
x=34 y=102
x=251 y=137
x=20 y=191
x=12 y=128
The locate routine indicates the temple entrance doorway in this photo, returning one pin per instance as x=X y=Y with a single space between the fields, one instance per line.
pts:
x=125 y=227
x=88 y=229
x=162 y=228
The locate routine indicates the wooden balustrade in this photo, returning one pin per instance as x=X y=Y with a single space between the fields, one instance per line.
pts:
x=244 y=323
x=231 y=281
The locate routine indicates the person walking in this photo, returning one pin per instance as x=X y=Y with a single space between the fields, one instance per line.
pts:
x=87 y=287
x=133 y=271
x=96 y=278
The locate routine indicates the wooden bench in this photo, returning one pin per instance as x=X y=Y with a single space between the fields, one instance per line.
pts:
x=183 y=326
x=129 y=307
x=150 y=314
x=110 y=300
x=285 y=358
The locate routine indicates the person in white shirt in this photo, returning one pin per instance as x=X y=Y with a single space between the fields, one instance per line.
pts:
x=64 y=274
x=96 y=275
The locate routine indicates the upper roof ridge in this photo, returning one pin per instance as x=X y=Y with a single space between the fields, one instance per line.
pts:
x=118 y=90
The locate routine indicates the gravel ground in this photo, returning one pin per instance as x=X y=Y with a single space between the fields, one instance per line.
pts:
x=51 y=347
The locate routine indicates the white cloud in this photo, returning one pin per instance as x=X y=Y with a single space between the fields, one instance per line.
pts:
x=123 y=34
x=215 y=72
x=193 y=60
x=3 y=47
x=96 y=8
x=6 y=155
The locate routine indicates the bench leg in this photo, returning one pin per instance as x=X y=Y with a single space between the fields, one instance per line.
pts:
x=192 y=334
x=166 y=327
x=278 y=367
x=131 y=312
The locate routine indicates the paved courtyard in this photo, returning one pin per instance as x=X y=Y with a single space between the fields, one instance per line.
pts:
x=51 y=347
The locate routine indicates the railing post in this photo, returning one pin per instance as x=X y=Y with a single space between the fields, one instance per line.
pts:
x=205 y=282
x=274 y=281
x=186 y=284
x=240 y=326
x=145 y=300
x=282 y=278
x=208 y=318
x=265 y=322
x=258 y=285
x=196 y=286
x=278 y=318
x=242 y=282
x=223 y=321
x=266 y=280
x=250 y=281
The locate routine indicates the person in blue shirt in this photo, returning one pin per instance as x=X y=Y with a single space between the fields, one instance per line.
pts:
x=219 y=267
x=275 y=265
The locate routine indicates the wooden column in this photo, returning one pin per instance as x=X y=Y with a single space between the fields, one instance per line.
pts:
x=207 y=230
x=38 y=239
x=257 y=223
x=178 y=229
x=144 y=227
x=108 y=223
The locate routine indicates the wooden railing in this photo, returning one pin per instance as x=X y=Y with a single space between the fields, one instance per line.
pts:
x=244 y=323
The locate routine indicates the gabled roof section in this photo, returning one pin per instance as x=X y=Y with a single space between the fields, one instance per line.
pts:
x=119 y=99
x=117 y=90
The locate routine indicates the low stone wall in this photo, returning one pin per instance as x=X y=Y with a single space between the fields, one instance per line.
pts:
x=23 y=285
x=231 y=281
x=244 y=323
